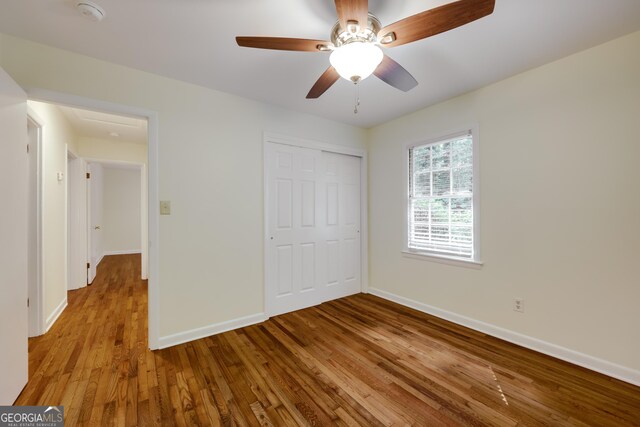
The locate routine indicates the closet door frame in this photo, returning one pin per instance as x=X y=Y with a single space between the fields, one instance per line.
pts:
x=364 y=228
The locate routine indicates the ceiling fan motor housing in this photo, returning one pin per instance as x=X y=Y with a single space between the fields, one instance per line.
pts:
x=369 y=34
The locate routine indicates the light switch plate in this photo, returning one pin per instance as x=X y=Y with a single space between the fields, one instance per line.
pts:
x=165 y=207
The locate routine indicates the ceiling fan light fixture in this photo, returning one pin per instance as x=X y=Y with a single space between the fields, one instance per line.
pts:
x=356 y=61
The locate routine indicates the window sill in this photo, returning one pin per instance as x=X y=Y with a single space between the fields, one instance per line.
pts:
x=459 y=262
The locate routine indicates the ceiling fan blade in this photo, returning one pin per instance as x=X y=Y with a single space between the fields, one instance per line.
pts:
x=326 y=80
x=435 y=21
x=352 y=10
x=283 y=43
x=392 y=73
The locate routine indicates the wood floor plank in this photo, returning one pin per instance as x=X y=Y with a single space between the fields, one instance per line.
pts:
x=355 y=361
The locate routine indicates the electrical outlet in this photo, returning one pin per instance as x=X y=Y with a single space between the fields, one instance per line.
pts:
x=518 y=305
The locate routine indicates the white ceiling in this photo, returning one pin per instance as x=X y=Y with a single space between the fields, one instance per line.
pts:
x=193 y=41
x=93 y=124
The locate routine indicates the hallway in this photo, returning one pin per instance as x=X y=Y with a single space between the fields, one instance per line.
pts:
x=90 y=359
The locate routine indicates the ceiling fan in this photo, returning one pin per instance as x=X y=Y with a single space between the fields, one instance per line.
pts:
x=357 y=38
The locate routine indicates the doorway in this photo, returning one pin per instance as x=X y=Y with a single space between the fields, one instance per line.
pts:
x=117 y=217
x=116 y=147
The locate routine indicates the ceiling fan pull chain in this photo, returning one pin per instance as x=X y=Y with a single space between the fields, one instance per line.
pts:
x=357 y=100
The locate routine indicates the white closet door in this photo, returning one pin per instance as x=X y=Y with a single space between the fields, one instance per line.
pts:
x=293 y=232
x=341 y=180
x=313 y=218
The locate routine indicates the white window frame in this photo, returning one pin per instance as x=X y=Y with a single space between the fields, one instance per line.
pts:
x=474 y=262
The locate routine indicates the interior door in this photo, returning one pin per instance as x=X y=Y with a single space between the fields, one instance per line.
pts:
x=313 y=219
x=13 y=232
x=341 y=179
x=94 y=215
x=77 y=194
x=293 y=255
x=91 y=269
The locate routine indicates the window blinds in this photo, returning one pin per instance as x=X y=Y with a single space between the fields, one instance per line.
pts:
x=441 y=197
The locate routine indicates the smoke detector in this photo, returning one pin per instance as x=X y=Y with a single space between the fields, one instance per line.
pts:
x=90 y=10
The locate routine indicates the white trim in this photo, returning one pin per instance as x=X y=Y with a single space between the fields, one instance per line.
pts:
x=34 y=116
x=269 y=137
x=213 y=329
x=56 y=313
x=122 y=252
x=122 y=164
x=71 y=154
x=144 y=215
x=602 y=366
x=99 y=260
x=153 y=202
x=66 y=218
x=265 y=227
x=462 y=130
x=364 y=223
x=40 y=326
x=153 y=198
x=313 y=144
x=458 y=262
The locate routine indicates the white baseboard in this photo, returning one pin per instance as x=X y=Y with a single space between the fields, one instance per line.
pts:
x=123 y=252
x=206 y=331
x=54 y=316
x=614 y=370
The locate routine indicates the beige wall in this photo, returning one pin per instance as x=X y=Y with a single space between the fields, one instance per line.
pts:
x=560 y=205
x=210 y=167
x=103 y=149
x=121 y=210
x=57 y=133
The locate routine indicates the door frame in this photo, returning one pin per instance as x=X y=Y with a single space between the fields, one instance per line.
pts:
x=144 y=207
x=269 y=137
x=75 y=246
x=37 y=323
x=91 y=265
x=153 y=220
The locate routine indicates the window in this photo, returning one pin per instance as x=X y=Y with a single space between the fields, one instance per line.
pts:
x=441 y=198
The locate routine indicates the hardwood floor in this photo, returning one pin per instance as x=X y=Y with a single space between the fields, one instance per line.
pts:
x=356 y=361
